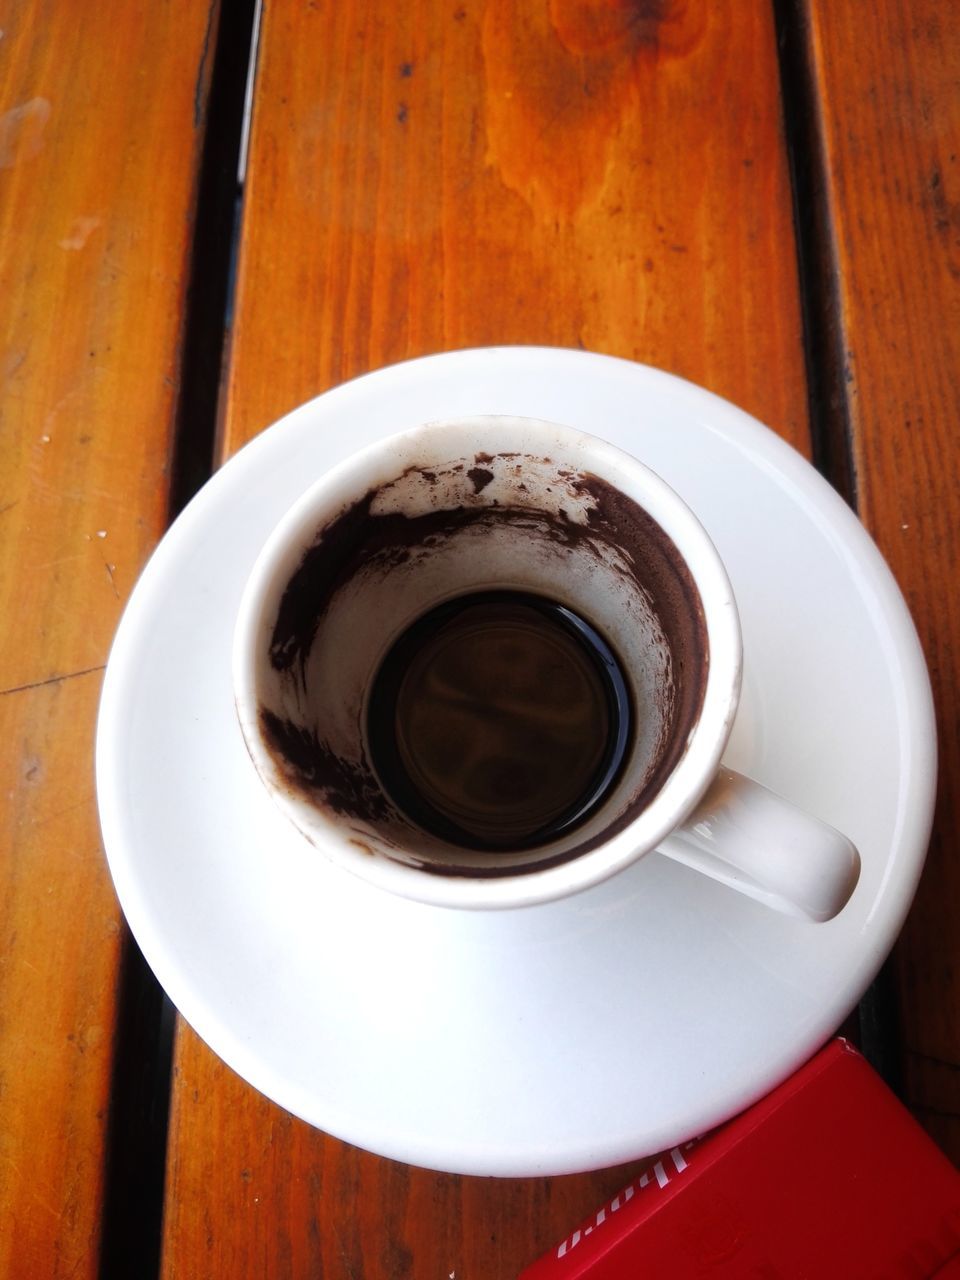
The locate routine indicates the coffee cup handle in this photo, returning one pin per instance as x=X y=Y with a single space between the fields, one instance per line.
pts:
x=752 y=840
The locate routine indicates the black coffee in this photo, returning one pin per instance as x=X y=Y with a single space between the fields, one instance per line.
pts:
x=499 y=720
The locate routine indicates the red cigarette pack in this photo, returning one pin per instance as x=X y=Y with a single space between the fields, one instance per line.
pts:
x=827 y=1176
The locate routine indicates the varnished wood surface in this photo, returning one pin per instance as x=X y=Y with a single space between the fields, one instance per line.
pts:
x=440 y=175
x=100 y=124
x=422 y=177
x=890 y=118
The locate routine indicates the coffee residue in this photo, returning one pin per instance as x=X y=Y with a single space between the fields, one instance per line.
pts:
x=663 y=573
x=480 y=477
x=358 y=537
x=310 y=767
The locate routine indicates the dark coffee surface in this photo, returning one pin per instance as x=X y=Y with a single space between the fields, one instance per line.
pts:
x=499 y=720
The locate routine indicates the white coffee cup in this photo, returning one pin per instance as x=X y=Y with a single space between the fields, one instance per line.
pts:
x=517 y=504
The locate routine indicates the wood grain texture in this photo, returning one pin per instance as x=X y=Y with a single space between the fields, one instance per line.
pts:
x=890 y=121
x=437 y=175
x=99 y=144
x=442 y=175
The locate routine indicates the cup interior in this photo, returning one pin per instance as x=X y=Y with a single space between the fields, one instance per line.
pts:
x=494 y=504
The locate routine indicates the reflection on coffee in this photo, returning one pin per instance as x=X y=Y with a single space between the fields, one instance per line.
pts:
x=499 y=720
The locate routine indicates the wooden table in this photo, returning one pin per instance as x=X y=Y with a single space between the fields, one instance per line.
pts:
x=762 y=197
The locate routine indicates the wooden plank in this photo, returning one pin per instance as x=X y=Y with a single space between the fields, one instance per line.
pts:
x=459 y=175
x=890 y=124
x=443 y=174
x=101 y=112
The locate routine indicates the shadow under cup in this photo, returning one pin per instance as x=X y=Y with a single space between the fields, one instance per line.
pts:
x=416 y=522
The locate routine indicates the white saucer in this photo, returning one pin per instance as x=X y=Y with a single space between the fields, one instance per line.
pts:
x=553 y=1038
